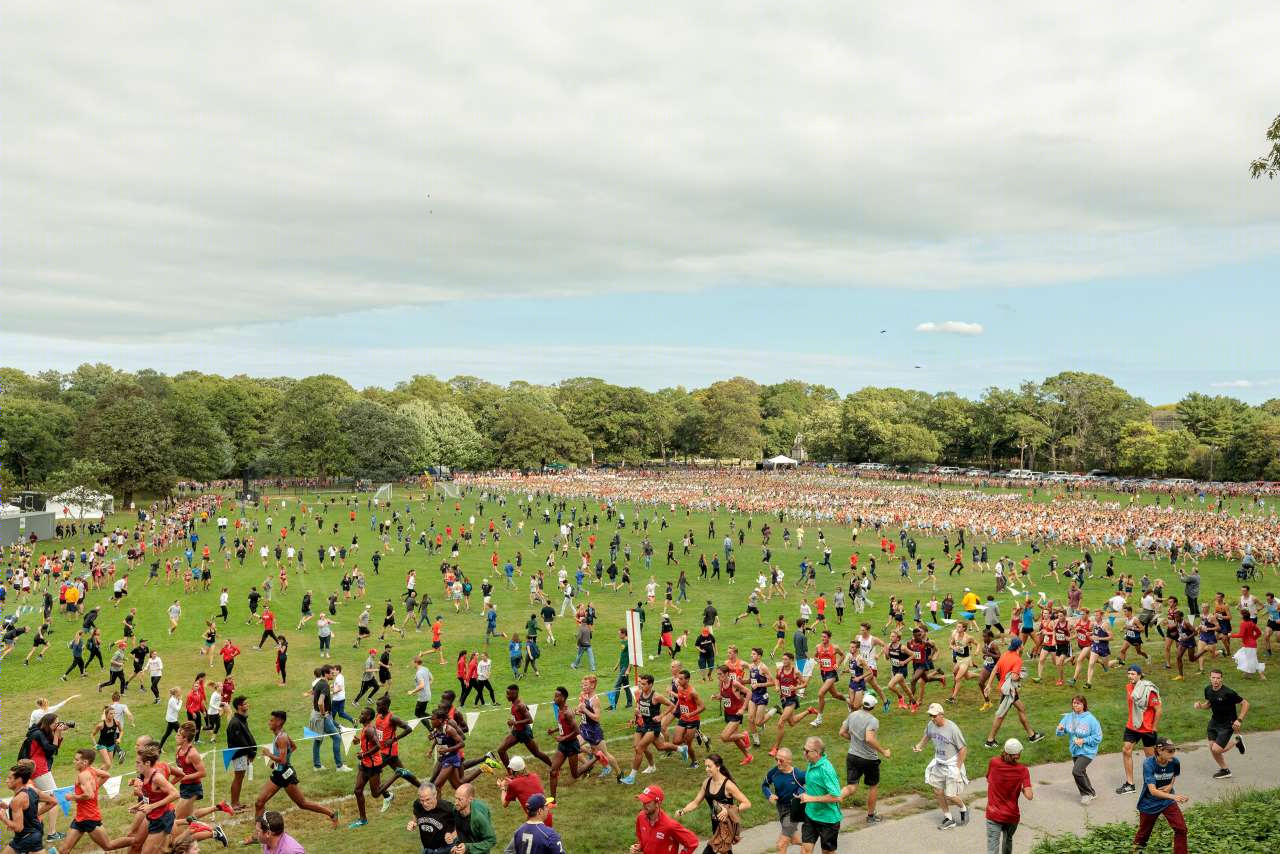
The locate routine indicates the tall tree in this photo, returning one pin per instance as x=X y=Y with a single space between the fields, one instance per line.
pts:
x=308 y=435
x=201 y=449
x=382 y=444
x=129 y=435
x=35 y=434
x=1269 y=163
x=731 y=419
x=526 y=433
x=446 y=435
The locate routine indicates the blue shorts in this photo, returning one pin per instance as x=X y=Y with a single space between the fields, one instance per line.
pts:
x=591 y=733
x=163 y=824
x=191 y=790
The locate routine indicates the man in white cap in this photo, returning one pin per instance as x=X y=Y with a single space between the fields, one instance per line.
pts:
x=863 y=760
x=1007 y=778
x=945 y=772
x=520 y=785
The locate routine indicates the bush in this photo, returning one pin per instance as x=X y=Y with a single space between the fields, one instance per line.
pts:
x=1239 y=825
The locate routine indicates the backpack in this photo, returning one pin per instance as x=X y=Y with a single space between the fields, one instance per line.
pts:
x=24 y=749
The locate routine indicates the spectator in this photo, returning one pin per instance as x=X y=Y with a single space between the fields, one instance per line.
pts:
x=1006 y=779
x=657 y=832
x=273 y=838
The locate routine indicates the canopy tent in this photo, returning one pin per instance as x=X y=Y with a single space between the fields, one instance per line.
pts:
x=82 y=503
x=780 y=461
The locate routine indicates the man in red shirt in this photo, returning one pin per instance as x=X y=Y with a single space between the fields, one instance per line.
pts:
x=520 y=785
x=1008 y=677
x=1142 y=724
x=1006 y=779
x=657 y=832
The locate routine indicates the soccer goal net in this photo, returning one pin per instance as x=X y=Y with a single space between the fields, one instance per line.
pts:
x=383 y=494
x=447 y=488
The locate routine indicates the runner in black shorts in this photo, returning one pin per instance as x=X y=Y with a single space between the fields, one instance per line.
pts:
x=521 y=725
x=278 y=754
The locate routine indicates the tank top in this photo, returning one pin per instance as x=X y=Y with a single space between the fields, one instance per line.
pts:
x=387 y=735
x=183 y=758
x=108 y=735
x=826 y=655
x=515 y=716
x=731 y=699
x=721 y=798
x=370 y=748
x=87 y=810
x=645 y=709
x=685 y=705
x=154 y=794
x=757 y=678
x=787 y=683
x=32 y=828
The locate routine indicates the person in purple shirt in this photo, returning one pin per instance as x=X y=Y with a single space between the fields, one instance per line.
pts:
x=534 y=837
x=273 y=838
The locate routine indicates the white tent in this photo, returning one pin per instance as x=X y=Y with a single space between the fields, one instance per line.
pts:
x=780 y=461
x=81 y=503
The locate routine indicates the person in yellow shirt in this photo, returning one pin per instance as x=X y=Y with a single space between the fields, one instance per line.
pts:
x=969 y=603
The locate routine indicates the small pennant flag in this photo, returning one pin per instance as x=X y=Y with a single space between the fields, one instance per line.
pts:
x=413 y=723
x=226 y=757
x=61 y=795
x=112 y=787
x=472 y=717
x=945 y=622
x=533 y=712
x=348 y=736
x=310 y=733
x=932 y=626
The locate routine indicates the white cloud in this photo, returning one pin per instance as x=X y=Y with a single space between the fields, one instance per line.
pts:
x=951 y=327
x=1245 y=383
x=244 y=162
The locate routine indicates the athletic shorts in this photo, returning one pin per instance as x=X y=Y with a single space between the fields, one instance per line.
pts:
x=523 y=736
x=654 y=728
x=790 y=701
x=191 y=790
x=87 y=826
x=689 y=724
x=591 y=733
x=830 y=674
x=449 y=760
x=284 y=777
x=858 y=769
x=241 y=763
x=1147 y=739
x=826 y=833
x=1220 y=734
x=787 y=827
x=730 y=718
x=1063 y=649
x=163 y=824
x=28 y=844
x=569 y=747
x=370 y=770
x=760 y=698
x=44 y=782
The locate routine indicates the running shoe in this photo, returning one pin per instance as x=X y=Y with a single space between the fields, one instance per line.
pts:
x=607 y=771
x=225 y=807
x=650 y=769
x=746 y=760
x=817 y=721
x=220 y=835
x=1127 y=788
x=386 y=802
x=872 y=818
x=629 y=780
x=1222 y=774
x=947 y=824
x=357 y=824
x=964 y=818
x=1240 y=745
x=772 y=711
x=1087 y=799
x=58 y=834
x=989 y=744
x=1036 y=736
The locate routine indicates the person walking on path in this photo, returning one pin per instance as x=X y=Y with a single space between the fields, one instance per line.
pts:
x=1085 y=734
x=1224 y=721
x=781 y=786
x=1143 y=723
x=1008 y=679
x=863 y=761
x=1007 y=778
x=821 y=797
x=1158 y=775
x=945 y=773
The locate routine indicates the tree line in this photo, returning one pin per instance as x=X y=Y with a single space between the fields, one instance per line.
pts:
x=140 y=432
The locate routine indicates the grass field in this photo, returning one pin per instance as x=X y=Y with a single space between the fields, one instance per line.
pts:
x=591 y=815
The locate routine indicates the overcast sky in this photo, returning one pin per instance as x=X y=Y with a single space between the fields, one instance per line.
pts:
x=551 y=190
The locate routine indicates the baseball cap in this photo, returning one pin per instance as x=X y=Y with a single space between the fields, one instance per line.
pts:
x=373 y=651
x=1166 y=743
x=516 y=763
x=1013 y=747
x=1016 y=643
x=535 y=803
x=936 y=709
x=1136 y=668
x=869 y=700
x=650 y=794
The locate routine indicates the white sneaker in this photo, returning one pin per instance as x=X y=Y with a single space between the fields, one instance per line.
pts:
x=816 y=721
x=345 y=768
x=386 y=802
x=650 y=769
x=1086 y=799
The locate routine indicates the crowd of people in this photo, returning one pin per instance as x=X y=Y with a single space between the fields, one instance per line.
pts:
x=760 y=696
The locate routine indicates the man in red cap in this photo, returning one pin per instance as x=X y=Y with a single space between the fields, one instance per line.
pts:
x=657 y=832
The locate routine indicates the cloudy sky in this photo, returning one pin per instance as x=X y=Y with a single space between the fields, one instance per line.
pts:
x=919 y=195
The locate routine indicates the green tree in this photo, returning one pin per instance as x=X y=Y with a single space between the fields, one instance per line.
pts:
x=1254 y=450
x=1093 y=411
x=1269 y=163
x=79 y=483
x=1212 y=420
x=127 y=433
x=33 y=437
x=1142 y=450
x=382 y=444
x=526 y=432
x=201 y=449
x=308 y=435
x=446 y=435
x=731 y=419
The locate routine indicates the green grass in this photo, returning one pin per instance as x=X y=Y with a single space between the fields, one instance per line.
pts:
x=582 y=805
x=1239 y=825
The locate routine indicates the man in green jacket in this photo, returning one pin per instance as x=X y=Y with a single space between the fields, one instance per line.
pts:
x=474 y=824
x=821 y=797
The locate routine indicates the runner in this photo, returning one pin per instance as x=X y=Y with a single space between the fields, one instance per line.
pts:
x=521 y=725
x=758 y=680
x=733 y=699
x=923 y=671
x=898 y=656
x=187 y=771
x=1224 y=720
x=390 y=730
x=1143 y=721
x=88 y=820
x=688 y=722
x=863 y=760
x=568 y=747
x=1158 y=775
x=789 y=681
x=829 y=659
x=368 y=765
x=158 y=795
x=283 y=776
x=1008 y=676
x=648 y=732
x=945 y=773
x=588 y=711
x=24 y=810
